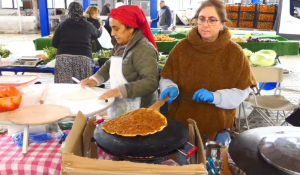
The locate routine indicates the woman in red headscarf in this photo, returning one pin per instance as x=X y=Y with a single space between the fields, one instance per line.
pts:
x=132 y=70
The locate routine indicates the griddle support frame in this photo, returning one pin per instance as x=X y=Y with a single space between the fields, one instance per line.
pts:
x=190 y=152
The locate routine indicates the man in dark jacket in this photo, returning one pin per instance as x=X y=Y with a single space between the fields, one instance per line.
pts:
x=105 y=10
x=106 y=25
x=164 y=17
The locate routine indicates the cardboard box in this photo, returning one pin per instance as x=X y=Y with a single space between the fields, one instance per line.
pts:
x=79 y=157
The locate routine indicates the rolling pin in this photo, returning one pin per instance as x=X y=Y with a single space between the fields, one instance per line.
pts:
x=44 y=95
x=88 y=88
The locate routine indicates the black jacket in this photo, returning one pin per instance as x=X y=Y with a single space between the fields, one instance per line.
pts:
x=105 y=11
x=107 y=26
x=74 y=38
x=97 y=24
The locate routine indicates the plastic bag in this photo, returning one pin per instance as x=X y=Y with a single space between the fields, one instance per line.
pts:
x=33 y=138
x=54 y=130
x=248 y=110
x=39 y=134
x=105 y=39
x=51 y=64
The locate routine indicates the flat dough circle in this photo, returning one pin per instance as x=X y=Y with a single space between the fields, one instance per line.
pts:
x=80 y=94
x=142 y=122
x=38 y=114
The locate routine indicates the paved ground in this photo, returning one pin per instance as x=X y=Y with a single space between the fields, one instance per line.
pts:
x=23 y=45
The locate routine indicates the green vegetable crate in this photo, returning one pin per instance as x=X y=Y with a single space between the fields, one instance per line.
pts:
x=103 y=57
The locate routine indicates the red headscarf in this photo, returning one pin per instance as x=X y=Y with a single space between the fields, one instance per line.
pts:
x=133 y=16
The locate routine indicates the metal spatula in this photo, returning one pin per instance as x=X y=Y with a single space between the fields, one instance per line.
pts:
x=159 y=103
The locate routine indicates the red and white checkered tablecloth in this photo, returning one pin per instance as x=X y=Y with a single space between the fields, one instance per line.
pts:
x=103 y=156
x=41 y=159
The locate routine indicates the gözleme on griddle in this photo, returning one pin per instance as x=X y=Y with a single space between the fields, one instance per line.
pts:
x=139 y=122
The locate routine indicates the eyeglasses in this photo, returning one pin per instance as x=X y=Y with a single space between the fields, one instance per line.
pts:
x=210 y=22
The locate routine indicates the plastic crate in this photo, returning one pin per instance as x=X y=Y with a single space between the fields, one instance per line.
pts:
x=267 y=9
x=232 y=24
x=232 y=8
x=265 y=25
x=247 y=16
x=232 y=15
x=248 y=8
x=246 y=24
x=155 y=32
x=266 y=17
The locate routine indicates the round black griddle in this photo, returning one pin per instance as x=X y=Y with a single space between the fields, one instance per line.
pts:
x=160 y=144
x=243 y=150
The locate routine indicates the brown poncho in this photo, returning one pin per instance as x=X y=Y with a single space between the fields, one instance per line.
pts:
x=194 y=64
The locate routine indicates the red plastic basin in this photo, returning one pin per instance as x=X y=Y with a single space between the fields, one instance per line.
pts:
x=10 y=98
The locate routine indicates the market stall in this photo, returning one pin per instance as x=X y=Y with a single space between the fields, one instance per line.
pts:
x=41 y=43
x=282 y=47
x=137 y=138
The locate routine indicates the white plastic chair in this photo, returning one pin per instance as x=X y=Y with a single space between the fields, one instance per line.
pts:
x=264 y=103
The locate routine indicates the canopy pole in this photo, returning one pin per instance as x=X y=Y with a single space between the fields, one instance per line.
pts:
x=44 y=18
x=53 y=4
x=19 y=13
x=86 y=4
x=153 y=12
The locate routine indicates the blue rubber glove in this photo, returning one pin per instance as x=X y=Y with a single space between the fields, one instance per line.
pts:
x=204 y=96
x=171 y=91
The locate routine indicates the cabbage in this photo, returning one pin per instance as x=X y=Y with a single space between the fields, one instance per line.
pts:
x=272 y=53
x=247 y=52
x=182 y=30
x=263 y=60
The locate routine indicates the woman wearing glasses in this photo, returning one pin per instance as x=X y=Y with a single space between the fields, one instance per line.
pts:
x=207 y=75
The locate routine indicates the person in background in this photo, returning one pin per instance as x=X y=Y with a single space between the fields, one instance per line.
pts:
x=91 y=13
x=207 y=76
x=106 y=25
x=119 y=3
x=72 y=38
x=164 y=17
x=132 y=70
x=58 y=12
x=296 y=15
x=105 y=10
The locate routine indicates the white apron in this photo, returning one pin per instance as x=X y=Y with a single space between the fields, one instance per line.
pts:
x=121 y=105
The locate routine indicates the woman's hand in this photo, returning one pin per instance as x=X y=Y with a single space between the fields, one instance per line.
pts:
x=204 y=96
x=110 y=93
x=171 y=91
x=101 y=27
x=88 y=82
